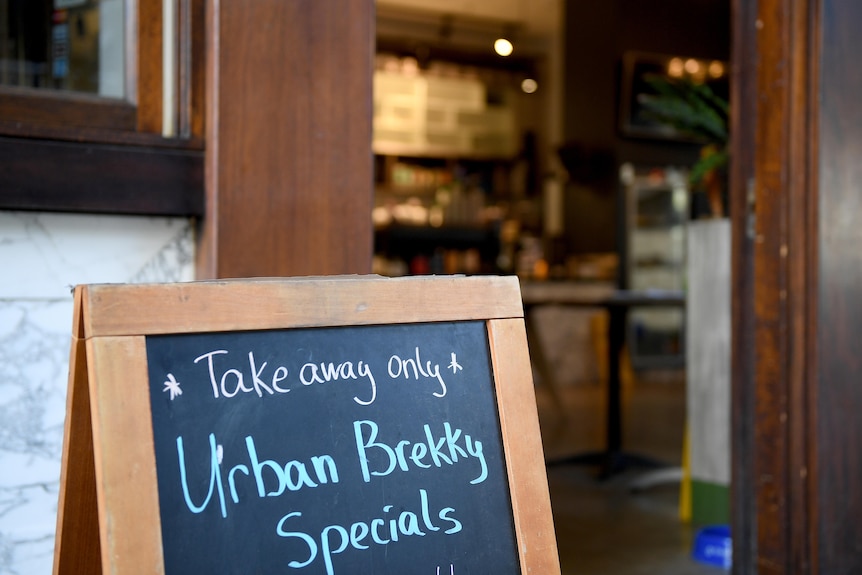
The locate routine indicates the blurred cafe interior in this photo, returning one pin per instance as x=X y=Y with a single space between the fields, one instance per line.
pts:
x=544 y=161
x=579 y=145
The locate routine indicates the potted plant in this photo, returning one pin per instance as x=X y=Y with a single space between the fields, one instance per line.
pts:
x=697 y=113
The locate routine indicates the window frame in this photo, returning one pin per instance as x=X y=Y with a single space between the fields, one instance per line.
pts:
x=108 y=155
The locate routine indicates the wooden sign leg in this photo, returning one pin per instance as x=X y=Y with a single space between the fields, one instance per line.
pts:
x=77 y=547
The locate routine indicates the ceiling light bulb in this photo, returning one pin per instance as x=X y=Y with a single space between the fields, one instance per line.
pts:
x=716 y=69
x=692 y=66
x=675 y=68
x=503 y=47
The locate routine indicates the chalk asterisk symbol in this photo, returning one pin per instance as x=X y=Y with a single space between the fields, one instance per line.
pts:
x=454 y=365
x=173 y=386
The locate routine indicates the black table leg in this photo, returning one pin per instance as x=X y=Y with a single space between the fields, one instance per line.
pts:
x=612 y=459
x=616 y=339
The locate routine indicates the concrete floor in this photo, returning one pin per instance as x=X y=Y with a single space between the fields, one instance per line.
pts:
x=602 y=526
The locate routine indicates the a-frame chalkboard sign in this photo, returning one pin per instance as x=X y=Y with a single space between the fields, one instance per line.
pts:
x=312 y=425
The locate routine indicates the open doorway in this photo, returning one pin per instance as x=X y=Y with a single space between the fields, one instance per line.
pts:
x=556 y=208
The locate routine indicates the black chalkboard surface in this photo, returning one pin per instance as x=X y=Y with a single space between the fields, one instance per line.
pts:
x=372 y=449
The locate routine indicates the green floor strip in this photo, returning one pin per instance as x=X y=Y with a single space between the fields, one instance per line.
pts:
x=710 y=503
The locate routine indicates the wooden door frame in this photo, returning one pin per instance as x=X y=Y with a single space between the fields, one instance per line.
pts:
x=774 y=305
x=775 y=265
x=789 y=512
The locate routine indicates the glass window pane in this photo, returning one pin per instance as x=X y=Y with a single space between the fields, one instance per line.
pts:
x=76 y=45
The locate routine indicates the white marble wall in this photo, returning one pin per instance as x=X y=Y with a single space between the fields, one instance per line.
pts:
x=708 y=350
x=42 y=256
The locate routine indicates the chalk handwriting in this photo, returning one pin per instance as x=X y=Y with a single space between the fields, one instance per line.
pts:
x=312 y=373
x=335 y=539
x=173 y=386
x=379 y=459
x=229 y=380
x=270 y=478
x=236 y=378
x=399 y=367
x=454 y=365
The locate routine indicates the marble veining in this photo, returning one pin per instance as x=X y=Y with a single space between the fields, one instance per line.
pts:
x=33 y=372
x=50 y=253
x=174 y=262
x=47 y=254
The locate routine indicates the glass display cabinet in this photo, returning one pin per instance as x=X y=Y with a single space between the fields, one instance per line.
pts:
x=657 y=212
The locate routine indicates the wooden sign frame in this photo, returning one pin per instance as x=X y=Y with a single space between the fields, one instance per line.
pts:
x=108 y=518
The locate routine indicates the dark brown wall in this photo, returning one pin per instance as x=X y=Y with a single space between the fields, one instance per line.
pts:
x=743 y=126
x=597 y=36
x=839 y=342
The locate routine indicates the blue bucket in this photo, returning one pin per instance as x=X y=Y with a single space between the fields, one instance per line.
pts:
x=712 y=545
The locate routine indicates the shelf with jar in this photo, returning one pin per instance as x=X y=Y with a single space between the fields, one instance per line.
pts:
x=439 y=216
x=443 y=110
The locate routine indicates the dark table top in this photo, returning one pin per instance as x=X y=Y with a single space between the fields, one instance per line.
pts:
x=598 y=295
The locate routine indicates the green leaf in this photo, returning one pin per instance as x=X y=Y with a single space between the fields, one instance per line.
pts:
x=691 y=108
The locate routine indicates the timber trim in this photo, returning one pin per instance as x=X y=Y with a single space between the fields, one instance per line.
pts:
x=784 y=289
x=100 y=178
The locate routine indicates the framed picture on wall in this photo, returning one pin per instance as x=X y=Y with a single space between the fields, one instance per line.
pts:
x=637 y=67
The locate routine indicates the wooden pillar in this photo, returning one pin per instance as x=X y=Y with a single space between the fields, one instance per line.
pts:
x=288 y=138
x=775 y=264
x=799 y=269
